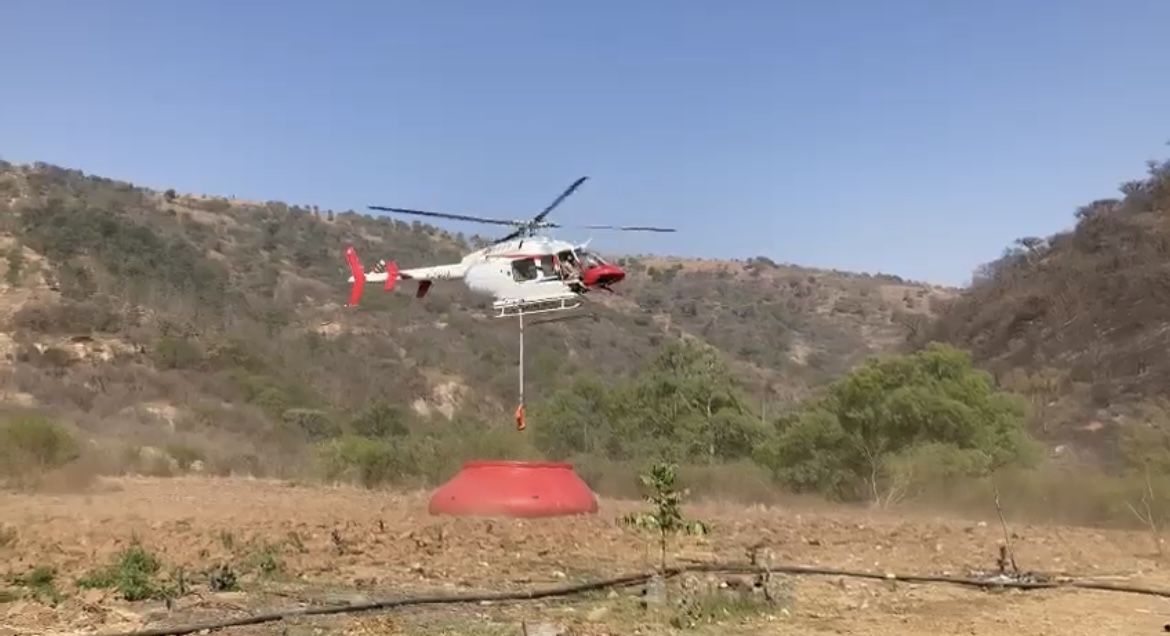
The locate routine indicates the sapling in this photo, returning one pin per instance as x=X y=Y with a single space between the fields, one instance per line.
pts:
x=666 y=518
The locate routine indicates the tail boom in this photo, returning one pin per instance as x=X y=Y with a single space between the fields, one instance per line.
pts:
x=392 y=274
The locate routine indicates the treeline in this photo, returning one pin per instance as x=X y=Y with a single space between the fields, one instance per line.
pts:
x=870 y=436
x=894 y=428
x=923 y=428
x=889 y=430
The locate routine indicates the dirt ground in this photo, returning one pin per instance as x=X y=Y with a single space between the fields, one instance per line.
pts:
x=296 y=545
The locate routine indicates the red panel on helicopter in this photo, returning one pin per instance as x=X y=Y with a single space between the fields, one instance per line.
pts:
x=391 y=276
x=603 y=275
x=359 y=276
x=514 y=489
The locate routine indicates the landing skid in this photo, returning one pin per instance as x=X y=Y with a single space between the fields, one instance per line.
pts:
x=513 y=308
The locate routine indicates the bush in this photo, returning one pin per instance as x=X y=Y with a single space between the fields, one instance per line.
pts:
x=32 y=444
x=898 y=422
x=68 y=318
x=185 y=455
x=368 y=462
x=133 y=575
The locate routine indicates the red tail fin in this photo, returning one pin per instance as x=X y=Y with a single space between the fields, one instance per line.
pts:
x=391 y=276
x=359 y=276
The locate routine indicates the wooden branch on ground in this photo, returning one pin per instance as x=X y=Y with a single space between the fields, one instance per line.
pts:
x=639 y=579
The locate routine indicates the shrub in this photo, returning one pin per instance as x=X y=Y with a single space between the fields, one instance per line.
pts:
x=366 y=461
x=897 y=420
x=31 y=444
x=133 y=575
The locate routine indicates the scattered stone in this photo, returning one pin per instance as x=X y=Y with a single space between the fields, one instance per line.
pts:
x=346 y=598
x=545 y=629
x=597 y=613
x=229 y=597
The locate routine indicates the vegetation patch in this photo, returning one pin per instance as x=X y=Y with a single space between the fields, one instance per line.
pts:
x=134 y=575
x=39 y=583
x=30 y=446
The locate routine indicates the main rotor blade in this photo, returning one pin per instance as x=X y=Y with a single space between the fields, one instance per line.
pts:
x=620 y=228
x=444 y=215
x=564 y=195
x=512 y=235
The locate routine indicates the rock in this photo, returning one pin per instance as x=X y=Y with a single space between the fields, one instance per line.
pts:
x=128 y=616
x=229 y=597
x=597 y=613
x=155 y=615
x=17 y=609
x=545 y=629
x=655 y=592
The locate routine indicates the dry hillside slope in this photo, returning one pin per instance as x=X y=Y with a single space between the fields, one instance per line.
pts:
x=154 y=314
x=1079 y=320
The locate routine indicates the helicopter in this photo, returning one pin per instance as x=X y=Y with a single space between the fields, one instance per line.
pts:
x=526 y=272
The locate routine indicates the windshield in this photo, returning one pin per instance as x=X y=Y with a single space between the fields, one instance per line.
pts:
x=590 y=260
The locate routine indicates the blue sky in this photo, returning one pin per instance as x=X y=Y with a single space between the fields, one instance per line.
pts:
x=916 y=137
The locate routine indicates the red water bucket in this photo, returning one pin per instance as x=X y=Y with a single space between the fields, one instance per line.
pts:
x=514 y=489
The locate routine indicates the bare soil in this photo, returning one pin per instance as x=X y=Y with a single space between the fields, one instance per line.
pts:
x=341 y=544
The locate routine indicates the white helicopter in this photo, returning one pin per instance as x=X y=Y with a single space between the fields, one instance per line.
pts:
x=526 y=273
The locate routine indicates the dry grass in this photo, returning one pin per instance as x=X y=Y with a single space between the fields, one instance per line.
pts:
x=331 y=543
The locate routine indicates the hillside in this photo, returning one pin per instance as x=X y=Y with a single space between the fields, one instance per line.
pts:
x=150 y=316
x=1080 y=321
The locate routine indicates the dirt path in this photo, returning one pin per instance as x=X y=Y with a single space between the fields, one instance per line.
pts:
x=297 y=544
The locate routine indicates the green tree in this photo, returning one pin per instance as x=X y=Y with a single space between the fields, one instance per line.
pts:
x=381 y=419
x=683 y=406
x=850 y=442
x=688 y=398
x=31 y=443
x=575 y=420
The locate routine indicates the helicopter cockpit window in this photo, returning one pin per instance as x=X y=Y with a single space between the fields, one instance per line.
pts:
x=524 y=269
x=589 y=259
